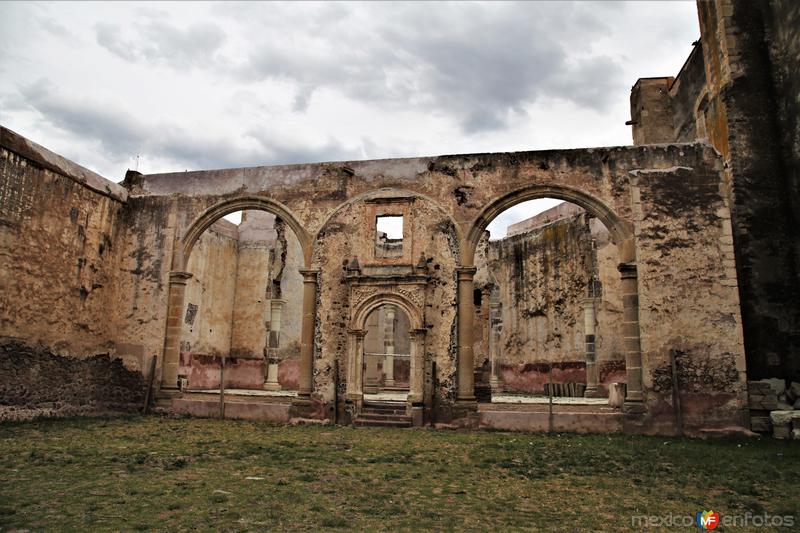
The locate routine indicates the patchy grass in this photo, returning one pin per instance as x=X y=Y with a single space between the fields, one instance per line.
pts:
x=165 y=474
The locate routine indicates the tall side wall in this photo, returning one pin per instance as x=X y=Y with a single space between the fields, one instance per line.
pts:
x=59 y=250
x=57 y=259
x=745 y=102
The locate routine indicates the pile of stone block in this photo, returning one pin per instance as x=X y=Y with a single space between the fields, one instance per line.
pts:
x=775 y=408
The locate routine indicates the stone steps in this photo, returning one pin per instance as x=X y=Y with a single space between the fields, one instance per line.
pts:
x=383 y=415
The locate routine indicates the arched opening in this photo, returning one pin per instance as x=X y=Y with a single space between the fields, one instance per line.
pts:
x=387 y=354
x=552 y=315
x=240 y=311
x=376 y=371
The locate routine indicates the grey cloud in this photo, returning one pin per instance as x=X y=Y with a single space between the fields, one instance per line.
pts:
x=123 y=136
x=479 y=63
x=119 y=133
x=156 y=40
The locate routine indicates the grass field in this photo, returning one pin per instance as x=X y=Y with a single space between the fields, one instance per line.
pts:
x=157 y=473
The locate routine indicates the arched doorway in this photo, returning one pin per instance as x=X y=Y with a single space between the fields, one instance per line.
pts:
x=367 y=371
x=180 y=276
x=620 y=234
x=387 y=353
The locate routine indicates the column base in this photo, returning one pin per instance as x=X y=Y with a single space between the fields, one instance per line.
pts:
x=592 y=393
x=275 y=386
x=633 y=407
x=389 y=383
x=302 y=407
x=465 y=405
x=371 y=389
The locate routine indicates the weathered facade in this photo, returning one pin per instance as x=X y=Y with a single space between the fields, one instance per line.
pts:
x=698 y=244
x=555 y=290
x=739 y=91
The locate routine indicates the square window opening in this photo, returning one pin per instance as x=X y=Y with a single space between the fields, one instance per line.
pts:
x=389 y=236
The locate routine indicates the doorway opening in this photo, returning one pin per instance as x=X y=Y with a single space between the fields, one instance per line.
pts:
x=387 y=354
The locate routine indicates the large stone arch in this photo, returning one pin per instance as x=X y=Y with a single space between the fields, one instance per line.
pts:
x=621 y=230
x=178 y=278
x=242 y=203
x=622 y=234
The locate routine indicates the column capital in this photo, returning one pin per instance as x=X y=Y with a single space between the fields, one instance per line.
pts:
x=357 y=332
x=418 y=332
x=309 y=274
x=466 y=273
x=627 y=270
x=179 y=277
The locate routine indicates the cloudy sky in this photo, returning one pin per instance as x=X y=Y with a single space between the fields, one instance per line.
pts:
x=207 y=85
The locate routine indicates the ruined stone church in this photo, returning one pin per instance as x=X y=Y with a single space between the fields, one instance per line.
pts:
x=371 y=292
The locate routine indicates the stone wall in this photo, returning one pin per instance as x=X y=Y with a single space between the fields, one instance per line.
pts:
x=58 y=251
x=36 y=378
x=209 y=308
x=745 y=103
x=663 y=205
x=543 y=277
x=59 y=258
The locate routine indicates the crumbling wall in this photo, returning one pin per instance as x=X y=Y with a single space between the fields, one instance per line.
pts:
x=687 y=299
x=36 y=378
x=350 y=233
x=146 y=240
x=744 y=101
x=544 y=276
x=783 y=38
x=58 y=251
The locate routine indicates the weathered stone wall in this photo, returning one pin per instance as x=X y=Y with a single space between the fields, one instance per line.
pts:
x=350 y=233
x=59 y=249
x=447 y=202
x=209 y=306
x=58 y=255
x=544 y=277
x=686 y=99
x=749 y=135
x=37 y=378
x=783 y=37
x=687 y=298
x=746 y=104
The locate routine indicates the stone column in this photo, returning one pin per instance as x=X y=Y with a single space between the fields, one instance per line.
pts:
x=388 y=346
x=172 y=338
x=415 y=401
x=466 y=317
x=589 y=331
x=271 y=378
x=495 y=328
x=630 y=337
x=417 y=360
x=355 y=365
x=306 y=381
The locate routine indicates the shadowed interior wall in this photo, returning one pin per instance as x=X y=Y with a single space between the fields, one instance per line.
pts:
x=543 y=273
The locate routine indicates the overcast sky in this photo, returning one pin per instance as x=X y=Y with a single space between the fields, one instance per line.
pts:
x=207 y=85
